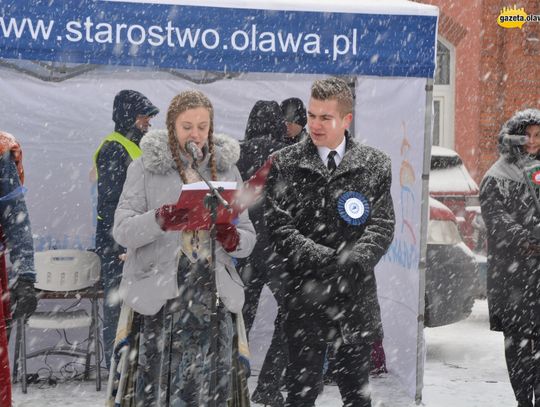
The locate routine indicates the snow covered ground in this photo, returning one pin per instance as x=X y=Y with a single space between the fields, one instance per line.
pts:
x=465 y=367
x=465 y=364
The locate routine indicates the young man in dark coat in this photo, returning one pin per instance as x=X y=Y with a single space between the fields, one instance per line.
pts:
x=132 y=112
x=513 y=277
x=330 y=215
x=265 y=134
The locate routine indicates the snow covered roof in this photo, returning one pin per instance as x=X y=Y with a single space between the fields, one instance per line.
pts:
x=443 y=152
x=449 y=176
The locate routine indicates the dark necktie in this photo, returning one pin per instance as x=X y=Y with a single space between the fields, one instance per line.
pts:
x=331 y=162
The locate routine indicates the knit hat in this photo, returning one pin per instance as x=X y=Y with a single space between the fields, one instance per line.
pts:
x=294 y=111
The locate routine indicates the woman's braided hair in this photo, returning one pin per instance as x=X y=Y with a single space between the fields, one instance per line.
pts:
x=191 y=99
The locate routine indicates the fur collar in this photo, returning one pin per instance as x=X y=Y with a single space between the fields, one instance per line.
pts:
x=158 y=158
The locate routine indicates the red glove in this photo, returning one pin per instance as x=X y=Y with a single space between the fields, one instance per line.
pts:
x=169 y=217
x=228 y=236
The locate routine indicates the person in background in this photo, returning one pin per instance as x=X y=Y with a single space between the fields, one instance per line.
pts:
x=18 y=297
x=266 y=133
x=295 y=116
x=330 y=215
x=167 y=277
x=132 y=112
x=512 y=220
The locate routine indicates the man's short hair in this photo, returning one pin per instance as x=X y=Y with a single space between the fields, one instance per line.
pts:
x=334 y=89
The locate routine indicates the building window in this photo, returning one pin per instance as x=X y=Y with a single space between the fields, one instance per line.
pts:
x=436 y=122
x=442 y=72
x=443 y=95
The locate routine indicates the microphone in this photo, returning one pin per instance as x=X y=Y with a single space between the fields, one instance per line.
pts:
x=194 y=151
x=514 y=139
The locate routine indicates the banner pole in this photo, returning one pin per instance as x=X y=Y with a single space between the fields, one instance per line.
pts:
x=424 y=217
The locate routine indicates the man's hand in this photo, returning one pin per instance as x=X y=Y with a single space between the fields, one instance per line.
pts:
x=350 y=269
x=332 y=280
x=348 y=260
x=532 y=248
x=329 y=271
x=169 y=217
x=23 y=299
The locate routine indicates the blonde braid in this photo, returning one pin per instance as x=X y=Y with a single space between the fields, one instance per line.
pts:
x=175 y=151
x=211 y=148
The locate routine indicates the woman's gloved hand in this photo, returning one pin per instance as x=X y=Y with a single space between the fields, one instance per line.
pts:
x=169 y=217
x=228 y=236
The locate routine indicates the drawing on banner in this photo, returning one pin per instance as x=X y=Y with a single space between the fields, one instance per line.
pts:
x=408 y=198
x=404 y=249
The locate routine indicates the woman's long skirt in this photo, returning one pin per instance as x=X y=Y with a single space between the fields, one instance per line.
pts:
x=174 y=351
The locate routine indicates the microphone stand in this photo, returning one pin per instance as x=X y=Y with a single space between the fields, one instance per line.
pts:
x=212 y=200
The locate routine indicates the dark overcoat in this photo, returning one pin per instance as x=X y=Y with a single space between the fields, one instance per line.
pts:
x=265 y=134
x=331 y=261
x=510 y=216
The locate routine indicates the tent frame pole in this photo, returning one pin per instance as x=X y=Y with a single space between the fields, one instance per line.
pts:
x=424 y=216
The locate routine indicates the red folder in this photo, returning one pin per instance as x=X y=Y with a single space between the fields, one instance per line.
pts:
x=192 y=198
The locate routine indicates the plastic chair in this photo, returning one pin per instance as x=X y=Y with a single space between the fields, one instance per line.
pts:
x=63 y=274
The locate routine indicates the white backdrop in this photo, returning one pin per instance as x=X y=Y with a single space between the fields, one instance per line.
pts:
x=390 y=116
x=61 y=124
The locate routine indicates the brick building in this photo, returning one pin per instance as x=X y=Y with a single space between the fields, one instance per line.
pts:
x=485 y=73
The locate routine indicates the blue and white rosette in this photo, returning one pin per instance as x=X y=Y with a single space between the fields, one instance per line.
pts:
x=354 y=208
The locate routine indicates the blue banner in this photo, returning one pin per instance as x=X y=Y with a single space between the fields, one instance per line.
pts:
x=218 y=39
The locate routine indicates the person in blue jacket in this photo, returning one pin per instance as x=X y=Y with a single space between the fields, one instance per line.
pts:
x=132 y=112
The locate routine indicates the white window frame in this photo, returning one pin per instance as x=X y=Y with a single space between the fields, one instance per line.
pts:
x=445 y=95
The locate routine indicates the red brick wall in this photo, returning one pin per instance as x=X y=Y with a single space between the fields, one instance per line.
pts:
x=459 y=26
x=467 y=84
x=492 y=78
x=497 y=73
x=513 y=56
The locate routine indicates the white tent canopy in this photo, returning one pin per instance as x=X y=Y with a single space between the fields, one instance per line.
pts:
x=237 y=52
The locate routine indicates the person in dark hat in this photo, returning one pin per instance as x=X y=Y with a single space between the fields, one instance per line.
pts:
x=295 y=116
x=508 y=199
x=132 y=112
x=265 y=134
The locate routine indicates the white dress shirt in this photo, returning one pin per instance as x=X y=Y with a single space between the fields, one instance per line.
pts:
x=340 y=150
